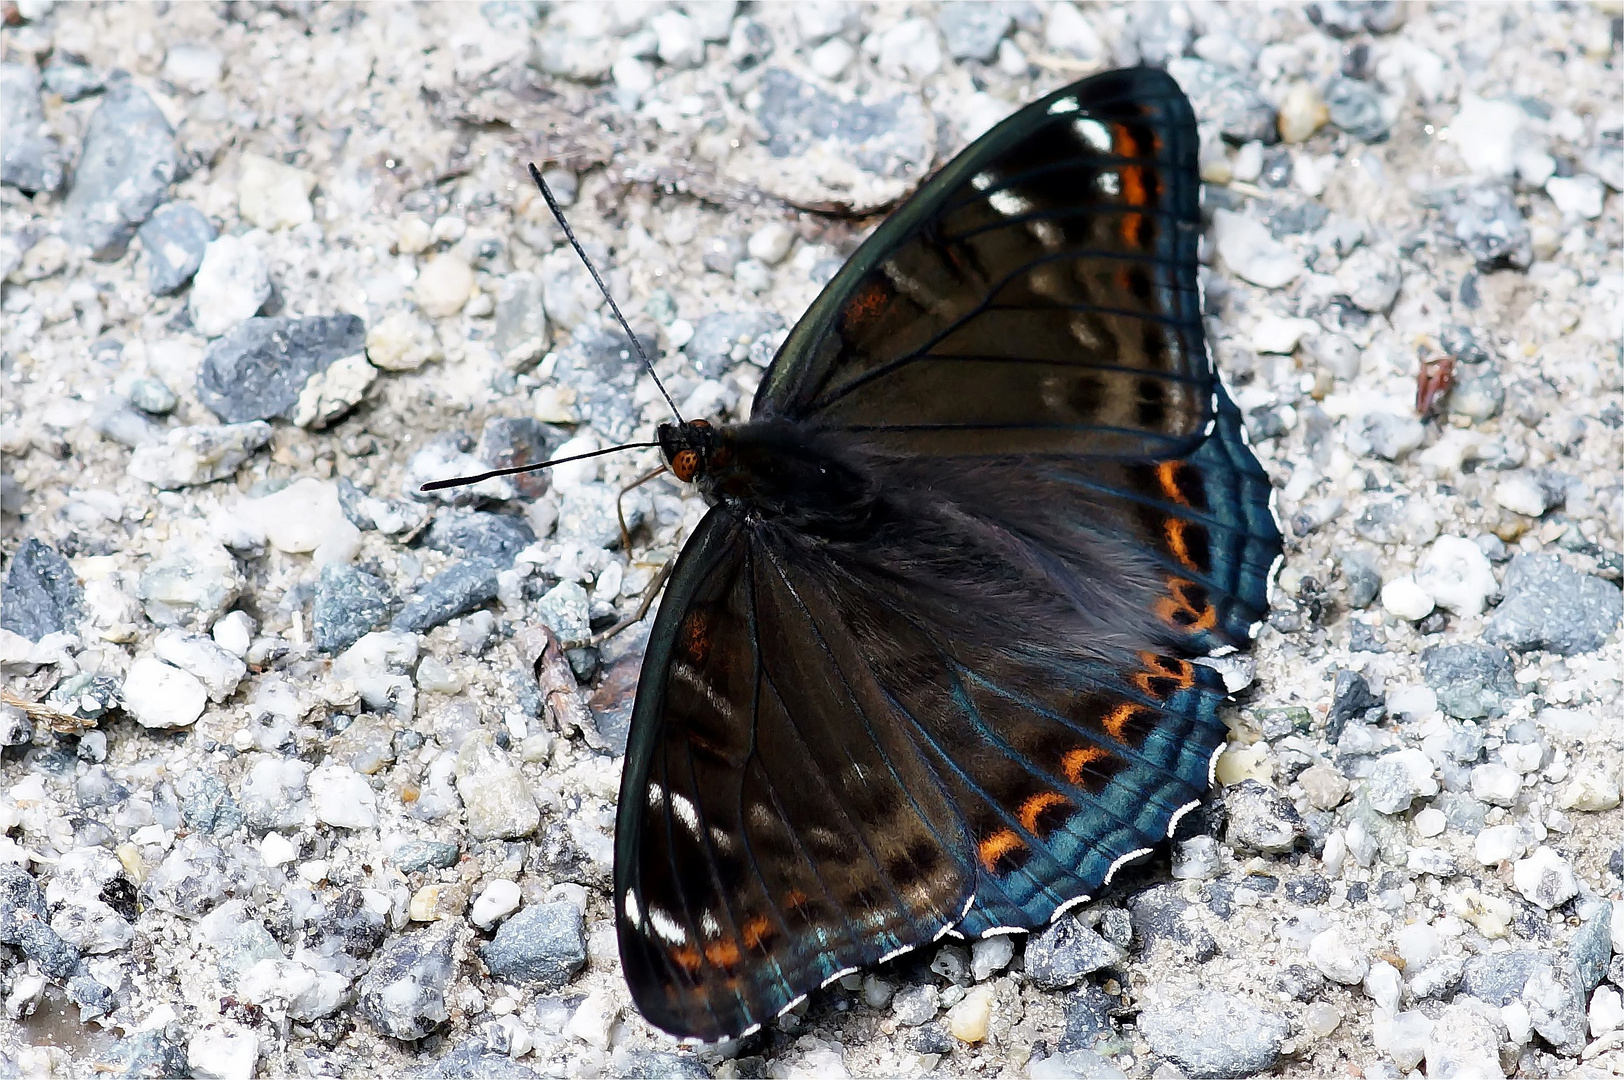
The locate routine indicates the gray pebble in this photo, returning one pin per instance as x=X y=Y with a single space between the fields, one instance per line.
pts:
x=540 y=947
x=748 y=44
x=1483 y=218
x=1549 y=605
x=1225 y=97
x=1591 y=946
x=71 y=81
x=973 y=30
x=113 y=419
x=349 y=604
x=1361 y=576
x=152 y=397
x=1351 y=699
x=565 y=610
x=507 y=441
x=1160 y=914
x=1478 y=392
x=653 y=1065
x=1214 y=1034
x=520 y=332
x=30 y=161
x=43 y=595
x=456 y=590
x=193 y=879
x=1462 y=811
x=206 y=804
x=474 y=534
x=126 y=164
x=174 y=238
x=1088 y=1019
x=403 y=993
x=1345 y=18
x=915 y=1005
x=722 y=338
x=1438 y=979
x=257 y=370
x=150 y=1053
x=416 y=855
x=722 y=253
x=1356 y=109
x=1261 y=820
x=880 y=137
x=602 y=368
x=1065 y=952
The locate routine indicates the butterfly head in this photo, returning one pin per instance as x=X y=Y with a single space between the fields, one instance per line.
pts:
x=688 y=448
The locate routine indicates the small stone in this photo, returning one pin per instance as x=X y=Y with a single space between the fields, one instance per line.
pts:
x=152 y=397
x=1437 y=979
x=349 y=603
x=1390 y=436
x=304 y=517
x=973 y=31
x=1065 y=952
x=231 y=283
x=1069 y=33
x=1430 y=822
x=126 y=163
x=1465 y=1041
x=496 y=901
x=1160 y=914
x=1591 y=789
x=403 y=994
x=1498 y=843
x=752 y=276
x=912 y=50
x=1354 y=107
x=594 y=1020
x=272 y=195
x=1361 y=575
x=161 y=696
x=1335 y=957
x=1581 y=196
x=1550 y=606
x=43 y=595
x=749 y=43
x=375 y=666
x=1371 y=279
x=1324 y=786
x=541 y=947
x=1406 y=599
x=1471 y=680
x=456 y=590
x=343 y=798
x=969 y=1019
x=222 y=1051
x=261 y=369
x=1457 y=575
x=1075 y=1065
x=1214 y=1034
x=1429 y=860
x=915 y=1005
x=1544 y=878
x=1483 y=218
x=1252 y=252
x=1399 y=778
x=1274 y=334
x=990 y=955
x=402 y=341
x=1522 y=493
x=1302 y=112
x=444 y=285
x=680 y=44
x=521 y=334
x=219 y=670
x=32 y=160
x=191 y=586
x=1261 y=820
x=771 y=243
x=1606 y=1012
x=418 y=855
x=495 y=795
x=175 y=239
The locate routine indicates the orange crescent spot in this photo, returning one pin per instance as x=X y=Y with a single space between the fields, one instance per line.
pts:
x=1160 y=669
x=687 y=958
x=1032 y=809
x=1118 y=719
x=996 y=846
x=865 y=306
x=1167 y=475
x=1174 y=530
x=1135 y=192
x=723 y=953
x=1178 y=611
x=1076 y=761
x=756 y=930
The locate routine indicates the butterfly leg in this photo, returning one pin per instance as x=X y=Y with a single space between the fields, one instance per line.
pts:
x=644 y=601
x=625 y=533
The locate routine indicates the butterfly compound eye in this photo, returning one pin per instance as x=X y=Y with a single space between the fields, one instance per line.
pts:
x=685 y=463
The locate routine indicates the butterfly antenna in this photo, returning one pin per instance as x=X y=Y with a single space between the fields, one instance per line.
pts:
x=558 y=214
x=513 y=470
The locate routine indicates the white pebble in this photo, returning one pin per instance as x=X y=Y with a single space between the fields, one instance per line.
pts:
x=1249 y=249
x=1406 y=599
x=1457 y=575
x=161 y=696
x=498 y=899
x=1522 y=494
x=1544 y=878
x=1336 y=959
x=1606 y=1011
x=912 y=49
x=1488 y=135
x=223 y=1051
x=1519 y=1024
x=343 y=798
x=1591 y=789
x=771 y=243
x=594 y=1018
x=831 y=59
x=435 y=677
x=305 y=516
x=1497 y=843
x=193 y=66
x=990 y=955
x=1418 y=944
x=219 y=670
x=680 y=44
x=1577 y=196
x=277 y=849
x=1383 y=985
x=412 y=234
x=1069 y=32
x=1495 y=784
x=444 y=286
x=1430 y=822
x=272 y=195
x=231 y=284
x=402 y=341
x=234 y=632
x=1409 y=703
x=968 y=1020
x=1274 y=334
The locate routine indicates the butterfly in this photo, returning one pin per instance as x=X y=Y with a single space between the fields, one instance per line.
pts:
x=932 y=663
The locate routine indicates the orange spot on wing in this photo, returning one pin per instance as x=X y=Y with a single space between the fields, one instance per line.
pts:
x=998 y=845
x=1033 y=809
x=723 y=953
x=866 y=306
x=1163 y=675
x=1168 y=475
x=687 y=958
x=1184 y=611
x=1117 y=720
x=694 y=639
x=756 y=931
x=1078 y=760
x=1174 y=530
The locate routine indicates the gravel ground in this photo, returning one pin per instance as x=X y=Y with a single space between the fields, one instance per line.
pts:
x=286 y=797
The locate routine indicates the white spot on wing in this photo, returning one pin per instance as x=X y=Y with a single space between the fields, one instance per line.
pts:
x=708 y=924
x=894 y=953
x=981 y=181
x=1067 y=906
x=1125 y=860
x=634 y=914
x=1008 y=203
x=1178 y=815
x=1094 y=133
x=1063 y=106
x=666 y=927
x=656 y=796
x=747 y=1032
x=1109 y=182
x=1000 y=931
x=760 y=816
x=792 y=1005
x=683 y=808
x=1212 y=765
x=721 y=840
x=837 y=976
